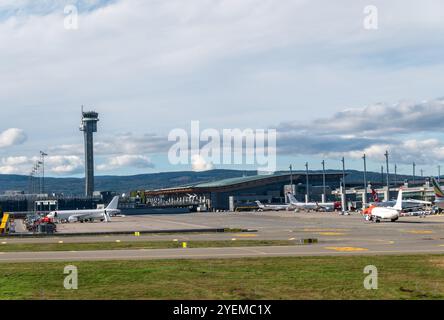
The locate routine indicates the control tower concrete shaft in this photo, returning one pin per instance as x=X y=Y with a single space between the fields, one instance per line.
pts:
x=89 y=126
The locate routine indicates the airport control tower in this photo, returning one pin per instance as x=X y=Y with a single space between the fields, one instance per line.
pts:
x=89 y=126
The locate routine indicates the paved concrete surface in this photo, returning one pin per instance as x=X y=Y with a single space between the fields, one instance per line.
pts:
x=337 y=234
x=206 y=253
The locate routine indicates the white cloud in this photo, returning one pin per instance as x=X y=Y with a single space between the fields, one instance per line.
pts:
x=12 y=137
x=9 y=170
x=119 y=144
x=371 y=130
x=56 y=164
x=199 y=163
x=158 y=64
x=126 y=161
x=15 y=161
x=422 y=152
x=137 y=53
x=65 y=165
x=379 y=119
x=25 y=8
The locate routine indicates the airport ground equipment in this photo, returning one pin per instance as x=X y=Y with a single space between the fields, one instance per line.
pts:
x=4 y=222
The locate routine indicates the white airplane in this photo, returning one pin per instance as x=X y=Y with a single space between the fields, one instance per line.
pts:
x=439 y=194
x=408 y=204
x=272 y=207
x=87 y=215
x=328 y=206
x=386 y=213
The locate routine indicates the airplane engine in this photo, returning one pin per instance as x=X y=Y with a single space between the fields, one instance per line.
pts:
x=72 y=219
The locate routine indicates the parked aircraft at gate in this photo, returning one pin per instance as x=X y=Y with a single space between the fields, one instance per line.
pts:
x=87 y=215
x=328 y=206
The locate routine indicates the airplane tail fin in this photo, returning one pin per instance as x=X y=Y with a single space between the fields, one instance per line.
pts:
x=291 y=198
x=113 y=204
x=398 y=205
x=259 y=204
x=375 y=195
x=436 y=187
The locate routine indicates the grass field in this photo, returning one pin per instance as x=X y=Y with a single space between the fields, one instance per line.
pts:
x=39 y=247
x=400 y=277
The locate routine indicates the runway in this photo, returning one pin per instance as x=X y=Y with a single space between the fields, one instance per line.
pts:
x=212 y=253
x=337 y=235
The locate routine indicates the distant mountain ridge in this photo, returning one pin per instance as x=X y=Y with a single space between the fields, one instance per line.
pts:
x=122 y=184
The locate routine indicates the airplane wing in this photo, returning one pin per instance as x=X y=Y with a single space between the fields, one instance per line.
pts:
x=418 y=201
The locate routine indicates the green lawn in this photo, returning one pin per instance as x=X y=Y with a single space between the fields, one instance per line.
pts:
x=35 y=247
x=400 y=277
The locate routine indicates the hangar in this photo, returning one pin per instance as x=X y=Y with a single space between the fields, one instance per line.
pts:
x=228 y=193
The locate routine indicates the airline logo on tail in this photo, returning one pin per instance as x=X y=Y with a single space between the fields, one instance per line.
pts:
x=437 y=189
x=375 y=196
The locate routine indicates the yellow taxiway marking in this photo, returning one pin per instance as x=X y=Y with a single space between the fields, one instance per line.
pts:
x=346 y=249
x=324 y=230
x=246 y=235
x=368 y=240
x=331 y=233
x=420 y=231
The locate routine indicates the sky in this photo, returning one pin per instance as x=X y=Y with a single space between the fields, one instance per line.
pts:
x=310 y=69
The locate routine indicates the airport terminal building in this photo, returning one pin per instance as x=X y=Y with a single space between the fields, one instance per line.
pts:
x=233 y=193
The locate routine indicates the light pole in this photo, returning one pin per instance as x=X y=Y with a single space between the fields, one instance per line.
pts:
x=324 y=196
x=382 y=176
x=365 y=178
x=388 y=172
x=291 y=177
x=344 y=192
x=291 y=183
x=43 y=155
x=307 y=181
x=343 y=171
x=39 y=163
x=36 y=180
x=439 y=174
x=31 y=178
x=396 y=174
x=39 y=180
x=414 y=172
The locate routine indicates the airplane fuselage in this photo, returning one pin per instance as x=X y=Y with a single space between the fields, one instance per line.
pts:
x=274 y=207
x=82 y=215
x=314 y=206
x=384 y=213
